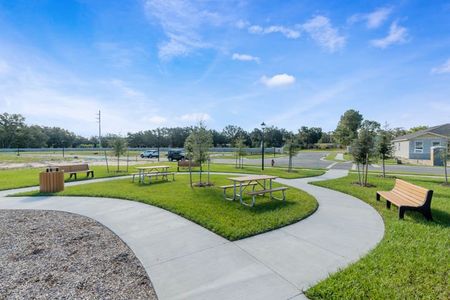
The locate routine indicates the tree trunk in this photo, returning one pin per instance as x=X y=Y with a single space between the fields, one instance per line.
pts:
x=384 y=167
x=359 y=174
x=118 y=166
x=190 y=173
x=367 y=169
x=201 y=173
x=209 y=179
x=106 y=159
x=445 y=169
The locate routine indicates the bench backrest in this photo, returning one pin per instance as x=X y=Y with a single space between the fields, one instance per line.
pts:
x=185 y=163
x=412 y=192
x=74 y=168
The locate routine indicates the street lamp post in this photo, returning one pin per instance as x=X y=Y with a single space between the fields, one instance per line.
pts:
x=263 y=126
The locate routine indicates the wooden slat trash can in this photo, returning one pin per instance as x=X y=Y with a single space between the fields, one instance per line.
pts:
x=51 y=181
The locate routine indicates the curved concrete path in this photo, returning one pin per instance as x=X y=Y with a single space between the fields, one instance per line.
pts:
x=187 y=261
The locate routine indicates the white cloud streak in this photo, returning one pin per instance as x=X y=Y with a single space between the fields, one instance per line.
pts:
x=182 y=22
x=245 y=57
x=324 y=34
x=397 y=35
x=195 y=117
x=278 y=80
x=442 y=69
x=287 y=32
x=374 y=19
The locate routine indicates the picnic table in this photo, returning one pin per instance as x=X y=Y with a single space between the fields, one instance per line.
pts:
x=151 y=171
x=253 y=181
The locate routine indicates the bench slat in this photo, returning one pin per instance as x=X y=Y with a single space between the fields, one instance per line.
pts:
x=237 y=186
x=267 y=191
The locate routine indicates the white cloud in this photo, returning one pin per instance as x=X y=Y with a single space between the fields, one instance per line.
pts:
x=442 y=69
x=374 y=19
x=241 y=24
x=397 y=35
x=195 y=117
x=287 y=32
x=245 y=57
x=323 y=33
x=278 y=80
x=157 y=120
x=182 y=22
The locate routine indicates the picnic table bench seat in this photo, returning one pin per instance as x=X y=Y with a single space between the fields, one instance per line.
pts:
x=225 y=187
x=408 y=196
x=72 y=170
x=162 y=174
x=268 y=191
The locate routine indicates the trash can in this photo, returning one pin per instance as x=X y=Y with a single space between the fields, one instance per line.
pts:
x=51 y=181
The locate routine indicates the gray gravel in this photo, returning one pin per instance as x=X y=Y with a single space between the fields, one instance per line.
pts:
x=58 y=255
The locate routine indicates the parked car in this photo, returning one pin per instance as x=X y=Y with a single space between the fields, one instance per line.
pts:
x=149 y=154
x=175 y=155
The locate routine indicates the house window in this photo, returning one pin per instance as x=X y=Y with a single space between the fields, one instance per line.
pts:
x=436 y=143
x=418 y=147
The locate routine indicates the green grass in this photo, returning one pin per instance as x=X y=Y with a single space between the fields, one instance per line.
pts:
x=17 y=178
x=206 y=206
x=11 y=157
x=413 y=259
x=280 y=172
x=331 y=156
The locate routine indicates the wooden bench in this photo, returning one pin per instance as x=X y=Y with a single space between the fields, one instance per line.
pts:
x=185 y=164
x=164 y=175
x=74 y=169
x=407 y=196
x=225 y=187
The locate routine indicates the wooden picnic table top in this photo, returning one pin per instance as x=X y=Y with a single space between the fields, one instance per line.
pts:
x=252 y=178
x=152 y=167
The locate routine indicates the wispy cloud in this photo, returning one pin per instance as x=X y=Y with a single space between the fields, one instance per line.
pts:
x=374 y=19
x=242 y=57
x=118 y=55
x=157 y=120
x=397 y=35
x=287 y=32
x=442 y=69
x=195 y=117
x=278 y=80
x=324 y=34
x=182 y=22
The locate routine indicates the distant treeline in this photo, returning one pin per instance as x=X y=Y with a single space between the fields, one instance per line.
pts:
x=15 y=133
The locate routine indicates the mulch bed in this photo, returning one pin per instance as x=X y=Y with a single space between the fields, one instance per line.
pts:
x=55 y=255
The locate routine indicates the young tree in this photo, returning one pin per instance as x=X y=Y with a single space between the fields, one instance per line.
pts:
x=119 y=147
x=384 y=147
x=362 y=150
x=347 y=129
x=240 y=152
x=197 y=145
x=291 y=149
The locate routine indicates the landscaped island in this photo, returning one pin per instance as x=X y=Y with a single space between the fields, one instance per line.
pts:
x=206 y=206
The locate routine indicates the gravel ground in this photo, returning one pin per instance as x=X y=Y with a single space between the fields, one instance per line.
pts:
x=58 y=255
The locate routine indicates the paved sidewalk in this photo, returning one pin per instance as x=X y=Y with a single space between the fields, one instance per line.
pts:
x=186 y=261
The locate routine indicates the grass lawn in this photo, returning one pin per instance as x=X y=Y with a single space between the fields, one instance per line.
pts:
x=413 y=259
x=206 y=206
x=17 y=178
x=280 y=172
x=10 y=157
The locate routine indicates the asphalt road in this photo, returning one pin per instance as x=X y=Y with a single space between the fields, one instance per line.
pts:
x=316 y=160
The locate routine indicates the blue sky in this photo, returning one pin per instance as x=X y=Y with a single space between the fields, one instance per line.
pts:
x=151 y=63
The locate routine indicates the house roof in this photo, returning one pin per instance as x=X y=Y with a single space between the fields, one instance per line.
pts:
x=440 y=130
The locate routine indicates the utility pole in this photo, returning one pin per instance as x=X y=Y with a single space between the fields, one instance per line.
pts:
x=99 y=120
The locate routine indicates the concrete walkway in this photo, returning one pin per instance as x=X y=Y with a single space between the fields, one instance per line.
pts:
x=186 y=261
